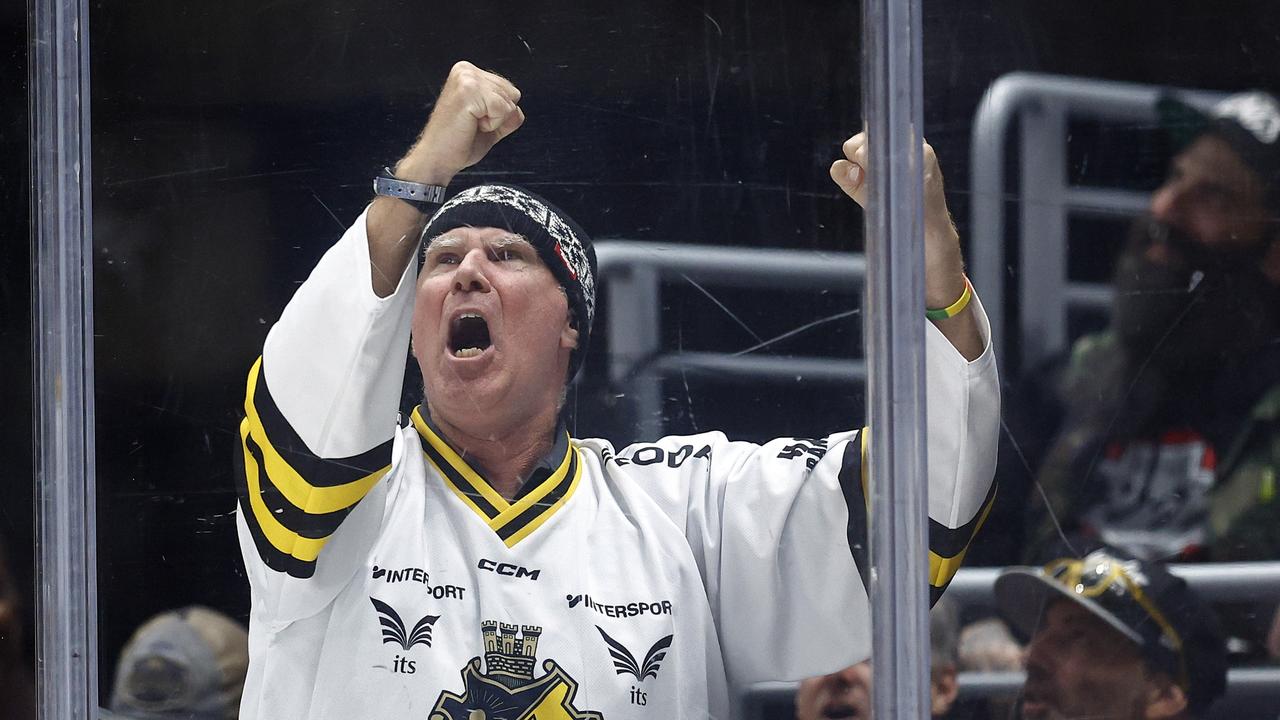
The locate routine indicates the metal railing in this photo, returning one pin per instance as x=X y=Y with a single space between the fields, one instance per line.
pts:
x=1213 y=582
x=1245 y=685
x=632 y=275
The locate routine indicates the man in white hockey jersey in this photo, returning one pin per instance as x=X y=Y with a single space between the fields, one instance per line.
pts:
x=480 y=563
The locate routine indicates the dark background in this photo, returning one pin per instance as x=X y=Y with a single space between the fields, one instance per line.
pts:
x=232 y=142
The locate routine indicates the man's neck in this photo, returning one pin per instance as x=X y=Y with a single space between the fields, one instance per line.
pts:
x=505 y=457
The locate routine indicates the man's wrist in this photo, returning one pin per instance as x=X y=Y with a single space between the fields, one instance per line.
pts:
x=952 y=309
x=425 y=198
x=942 y=289
x=425 y=172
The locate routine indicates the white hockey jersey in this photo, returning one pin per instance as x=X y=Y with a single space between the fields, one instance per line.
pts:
x=389 y=581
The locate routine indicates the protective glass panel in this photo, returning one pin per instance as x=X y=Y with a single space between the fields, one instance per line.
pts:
x=234 y=147
x=1121 y=246
x=1114 y=177
x=17 y=531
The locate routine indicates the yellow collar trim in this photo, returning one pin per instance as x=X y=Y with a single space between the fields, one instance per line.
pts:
x=492 y=508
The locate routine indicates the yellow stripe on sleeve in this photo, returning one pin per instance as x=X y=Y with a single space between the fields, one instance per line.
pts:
x=941 y=569
x=280 y=537
x=309 y=498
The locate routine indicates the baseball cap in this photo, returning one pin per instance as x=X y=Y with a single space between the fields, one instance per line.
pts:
x=188 y=663
x=1249 y=122
x=1175 y=631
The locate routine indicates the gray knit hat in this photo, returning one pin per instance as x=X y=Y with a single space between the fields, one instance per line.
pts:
x=189 y=663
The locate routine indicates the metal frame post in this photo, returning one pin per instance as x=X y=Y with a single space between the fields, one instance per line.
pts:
x=895 y=326
x=62 y=298
x=1044 y=224
x=634 y=290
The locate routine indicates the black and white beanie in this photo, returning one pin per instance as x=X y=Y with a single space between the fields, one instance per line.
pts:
x=561 y=243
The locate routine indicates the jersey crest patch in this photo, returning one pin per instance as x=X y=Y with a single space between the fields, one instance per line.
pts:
x=624 y=663
x=506 y=688
x=394 y=631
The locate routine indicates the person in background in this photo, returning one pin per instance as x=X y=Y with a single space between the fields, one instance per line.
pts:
x=187 y=664
x=847 y=693
x=17 y=686
x=1161 y=434
x=1112 y=636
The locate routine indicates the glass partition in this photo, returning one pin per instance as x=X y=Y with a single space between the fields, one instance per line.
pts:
x=17 y=531
x=1087 y=157
x=231 y=155
x=1119 y=221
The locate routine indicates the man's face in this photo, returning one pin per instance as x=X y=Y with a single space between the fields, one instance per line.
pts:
x=1078 y=666
x=1191 y=280
x=491 y=331
x=1213 y=199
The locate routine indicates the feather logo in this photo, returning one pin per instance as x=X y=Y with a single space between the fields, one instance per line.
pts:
x=624 y=663
x=393 y=630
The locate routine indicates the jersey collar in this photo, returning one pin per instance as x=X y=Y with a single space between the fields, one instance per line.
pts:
x=552 y=481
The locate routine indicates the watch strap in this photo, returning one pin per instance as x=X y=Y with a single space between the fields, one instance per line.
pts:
x=418 y=194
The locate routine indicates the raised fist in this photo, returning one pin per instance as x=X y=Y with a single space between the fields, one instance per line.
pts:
x=475 y=110
x=944 y=267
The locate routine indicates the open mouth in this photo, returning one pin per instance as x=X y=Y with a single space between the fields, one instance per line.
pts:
x=839 y=712
x=468 y=336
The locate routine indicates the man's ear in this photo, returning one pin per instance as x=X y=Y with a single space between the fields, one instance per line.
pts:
x=1165 y=698
x=569 y=336
x=944 y=688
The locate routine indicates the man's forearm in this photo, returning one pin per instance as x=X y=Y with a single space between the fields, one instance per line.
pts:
x=394 y=228
x=475 y=110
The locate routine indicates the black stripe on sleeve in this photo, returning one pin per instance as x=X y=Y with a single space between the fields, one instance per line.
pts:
x=949 y=542
x=268 y=553
x=306 y=524
x=319 y=472
x=855 y=500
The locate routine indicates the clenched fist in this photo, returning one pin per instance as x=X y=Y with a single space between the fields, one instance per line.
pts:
x=475 y=110
x=944 y=269
x=943 y=265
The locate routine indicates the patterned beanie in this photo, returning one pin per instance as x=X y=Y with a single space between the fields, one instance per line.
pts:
x=561 y=243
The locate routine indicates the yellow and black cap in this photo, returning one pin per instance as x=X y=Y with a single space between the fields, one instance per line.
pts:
x=1175 y=631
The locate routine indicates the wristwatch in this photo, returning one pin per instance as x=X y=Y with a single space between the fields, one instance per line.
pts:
x=425 y=198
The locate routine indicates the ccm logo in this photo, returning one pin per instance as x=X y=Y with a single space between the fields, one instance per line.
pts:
x=508 y=569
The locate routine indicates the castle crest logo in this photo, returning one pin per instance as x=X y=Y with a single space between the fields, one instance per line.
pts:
x=505 y=689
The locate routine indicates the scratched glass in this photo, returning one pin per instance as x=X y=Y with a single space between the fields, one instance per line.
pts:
x=1124 y=260
x=1119 y=207
x=223 y=172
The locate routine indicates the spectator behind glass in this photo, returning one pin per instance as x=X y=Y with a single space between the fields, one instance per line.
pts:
x=17 y=687
x=1112 y=637
x=1169 y=416
x=187 y=663
x=847 y=693
x=1161 y=434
